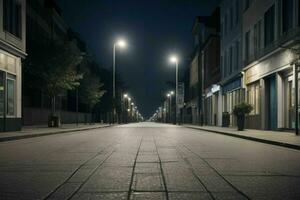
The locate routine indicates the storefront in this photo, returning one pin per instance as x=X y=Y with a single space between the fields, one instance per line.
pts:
x=10 y=92
x=212 y=106
x=270 y=90
x=233 y=94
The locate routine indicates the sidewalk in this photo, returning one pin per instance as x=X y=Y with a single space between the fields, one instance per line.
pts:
x=285 y=139
x=37 y=131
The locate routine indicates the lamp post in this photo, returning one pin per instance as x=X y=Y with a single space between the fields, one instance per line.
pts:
x=174 y=59
x=169 y=95
x=121 y=44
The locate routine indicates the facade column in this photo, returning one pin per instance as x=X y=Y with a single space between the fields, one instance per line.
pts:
x=280 y=101
x=220 y=107
x=262 y=104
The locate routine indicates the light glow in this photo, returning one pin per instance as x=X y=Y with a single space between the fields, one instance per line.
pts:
x=121 y=43
x=173 y=59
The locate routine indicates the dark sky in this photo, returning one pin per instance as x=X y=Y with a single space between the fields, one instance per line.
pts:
x=154 y=29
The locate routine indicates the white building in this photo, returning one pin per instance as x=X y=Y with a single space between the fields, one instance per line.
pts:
x=12 y=50
x=270 y=32
x=231 y=48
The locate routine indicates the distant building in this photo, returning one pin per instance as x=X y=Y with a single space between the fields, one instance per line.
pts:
x=269 y=36
x=231 y=56
x=194 y=112
x=12 y=51
x=212 y=98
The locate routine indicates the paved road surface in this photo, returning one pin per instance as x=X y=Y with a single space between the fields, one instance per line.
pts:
x=147 y=161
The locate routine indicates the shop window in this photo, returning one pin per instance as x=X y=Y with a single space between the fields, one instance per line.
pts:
x=13 y=17
x=253 y=97
x=2 y=95
x=2 y=60
x=11 y=95
x=269 y=26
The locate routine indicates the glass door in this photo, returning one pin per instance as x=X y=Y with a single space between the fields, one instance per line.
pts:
x=2 y=101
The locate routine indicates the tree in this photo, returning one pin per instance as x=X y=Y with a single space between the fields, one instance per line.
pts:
x=51 y=67
x=91 y=88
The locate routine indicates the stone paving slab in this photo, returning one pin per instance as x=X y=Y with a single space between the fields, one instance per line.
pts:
x=147 y=182
x=280 y=138
x=148 y=196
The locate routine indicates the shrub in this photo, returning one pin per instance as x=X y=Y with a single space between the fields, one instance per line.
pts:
x=242 y=109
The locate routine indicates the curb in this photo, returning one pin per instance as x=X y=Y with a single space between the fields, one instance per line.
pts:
x=271 y=142
x=19 y=137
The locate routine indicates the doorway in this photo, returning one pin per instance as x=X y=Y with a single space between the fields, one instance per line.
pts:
x=271 y=103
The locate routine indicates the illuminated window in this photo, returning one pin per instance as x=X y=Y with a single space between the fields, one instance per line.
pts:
x=2 y=94
x=11 y=95
x=253 y=98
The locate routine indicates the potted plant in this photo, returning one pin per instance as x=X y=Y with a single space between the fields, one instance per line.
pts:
x=240 y=110
x=225 y=119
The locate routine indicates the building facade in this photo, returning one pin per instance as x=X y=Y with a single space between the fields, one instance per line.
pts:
x=211 y=70
x=270 y=40
x=12 y=51
x=194 y=108
x=231 y=62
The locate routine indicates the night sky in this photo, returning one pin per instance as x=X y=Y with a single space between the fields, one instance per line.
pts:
x=154 y=29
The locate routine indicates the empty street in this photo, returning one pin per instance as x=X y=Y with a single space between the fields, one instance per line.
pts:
x=147 y=161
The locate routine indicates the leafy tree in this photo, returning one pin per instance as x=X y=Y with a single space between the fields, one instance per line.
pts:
x=51 y=67
x=91 y=88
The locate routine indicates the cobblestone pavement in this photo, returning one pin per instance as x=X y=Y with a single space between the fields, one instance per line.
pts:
x=147 y=161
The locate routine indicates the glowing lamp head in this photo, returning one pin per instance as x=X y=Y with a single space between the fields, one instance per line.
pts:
x=132 y=104
x=125 y=95
x=172 y=92
x=173 y=59
x=121 y=43
x=168 y=95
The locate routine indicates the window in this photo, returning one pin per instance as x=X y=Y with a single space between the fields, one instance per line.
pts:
x=269 y=26
x=226 y=24
x=257 y=37
x=231 y=17
x=247 y=46
x=298 y=12
x=247 y=4
x=11 y=99
x=287 y=15
x=2 y=94
x=231 y=59
x=225 y=63
x=237 y=11
x=237 y=54
x=12 y=17
x=253 y=98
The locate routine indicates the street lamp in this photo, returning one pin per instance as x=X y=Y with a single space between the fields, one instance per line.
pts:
x=174 y=59
x=121 y=44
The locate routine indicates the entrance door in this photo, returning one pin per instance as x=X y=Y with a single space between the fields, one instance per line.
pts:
x=2 y=101
x=272 y=103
